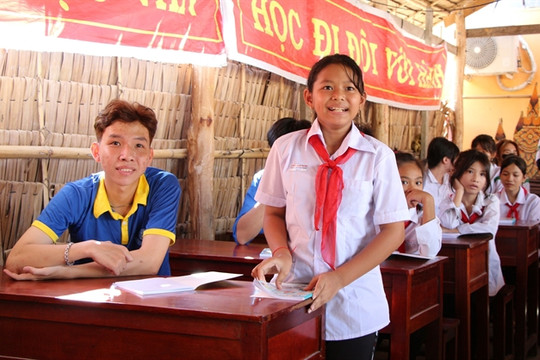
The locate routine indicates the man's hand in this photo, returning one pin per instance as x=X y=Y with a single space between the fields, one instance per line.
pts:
x=111 y=256
x=32 y=273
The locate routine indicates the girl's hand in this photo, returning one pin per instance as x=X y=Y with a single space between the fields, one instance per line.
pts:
x=280 y=263
x=415 y=197
x=325 y=286
x=458 y=186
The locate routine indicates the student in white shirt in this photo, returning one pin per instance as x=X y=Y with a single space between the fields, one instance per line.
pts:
x=334 y=237
x=505 y=148
x=515 y=201
x=423 y=233
x=441 y=155
x=486 y=144
x=471 y=210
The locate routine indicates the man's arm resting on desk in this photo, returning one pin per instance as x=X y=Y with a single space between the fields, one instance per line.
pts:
x=34 y=257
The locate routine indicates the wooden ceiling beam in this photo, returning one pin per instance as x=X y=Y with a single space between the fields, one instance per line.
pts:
x=468 y=7
x=504 y=31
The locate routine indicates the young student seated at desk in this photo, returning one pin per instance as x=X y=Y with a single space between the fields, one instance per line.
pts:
x=249 y=222
x=515 y=201
x=441 y=155
x=486 y=144
x=121 y=221
x=471 y=210
x=506 y=148
x=423 y=233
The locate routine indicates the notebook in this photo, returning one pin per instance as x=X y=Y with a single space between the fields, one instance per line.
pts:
x=287 y=292
x=166 y=285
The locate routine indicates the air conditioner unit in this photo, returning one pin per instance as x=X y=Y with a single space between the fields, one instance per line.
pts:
x=491 y=55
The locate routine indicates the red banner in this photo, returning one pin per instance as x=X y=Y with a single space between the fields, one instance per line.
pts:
x=289 y=36
x=283 y=36
x=180 y=25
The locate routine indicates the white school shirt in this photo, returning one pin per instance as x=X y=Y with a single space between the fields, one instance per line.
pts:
x=494 y=172
x=426 y=239
x=438 y=191
x=488 y=222
x=372 y=196
x=529 y=208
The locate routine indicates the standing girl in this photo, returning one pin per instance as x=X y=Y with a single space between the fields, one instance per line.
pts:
x=470 y=210
x=334 y=211
x=423 y=233
x=516 y=202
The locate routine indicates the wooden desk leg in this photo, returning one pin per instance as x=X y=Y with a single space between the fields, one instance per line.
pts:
x=532 y=305
x=520 y=306
x=400 y=345
x=463 y=311
x=434 y=340
x=481 y=323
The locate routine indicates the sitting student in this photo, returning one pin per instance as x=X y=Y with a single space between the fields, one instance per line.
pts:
x=423 y=234
x=441 y=154
x=505 y=148
x=486 y=144
x=121 y=221
x=470 y=210
x=249 y=222
x=515 y=201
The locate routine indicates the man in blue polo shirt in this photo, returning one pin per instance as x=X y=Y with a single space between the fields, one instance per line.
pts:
x=121 y=220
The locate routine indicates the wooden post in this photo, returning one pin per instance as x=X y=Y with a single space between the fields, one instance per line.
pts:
x=426 y=115
x=381 y=122
x=241 y=128
x=200 y=145
x=460 y=70
x=381 y=112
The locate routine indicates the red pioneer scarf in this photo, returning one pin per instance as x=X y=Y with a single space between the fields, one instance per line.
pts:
x=329 y=185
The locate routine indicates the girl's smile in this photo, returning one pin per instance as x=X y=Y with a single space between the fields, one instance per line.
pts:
x=335 y=99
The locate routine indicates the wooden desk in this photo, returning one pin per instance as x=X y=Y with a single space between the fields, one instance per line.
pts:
x=187 y=256
x=412 y=286
x=517 y=246
x=220 y=322
x=466 y=283
x=414 y=291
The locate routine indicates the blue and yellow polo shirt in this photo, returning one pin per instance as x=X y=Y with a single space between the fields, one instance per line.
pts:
x=82 y=207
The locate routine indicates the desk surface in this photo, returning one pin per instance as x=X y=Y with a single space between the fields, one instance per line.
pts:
x=37 y=321
x=413 y=286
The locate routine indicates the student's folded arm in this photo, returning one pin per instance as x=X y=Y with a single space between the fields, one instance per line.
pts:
x=148 y=259
x=144 y=261
x=34 y=248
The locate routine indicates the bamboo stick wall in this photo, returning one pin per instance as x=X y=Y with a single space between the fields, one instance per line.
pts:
x=52 y=99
